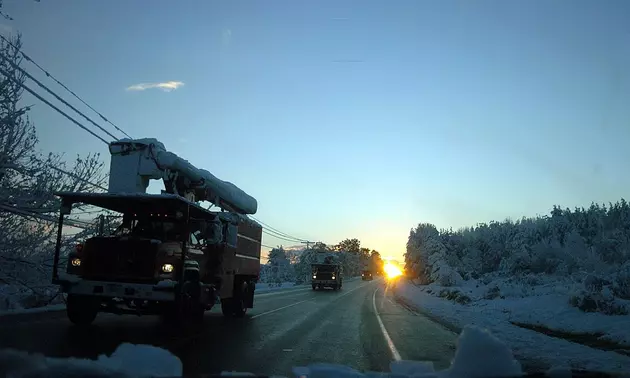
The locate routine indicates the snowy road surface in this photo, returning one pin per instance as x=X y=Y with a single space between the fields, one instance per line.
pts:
x=286 y=328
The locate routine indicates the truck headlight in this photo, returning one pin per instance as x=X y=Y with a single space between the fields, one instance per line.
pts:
x=167 y=268
x=314 y=276
x=75 y=261
x=333 y=277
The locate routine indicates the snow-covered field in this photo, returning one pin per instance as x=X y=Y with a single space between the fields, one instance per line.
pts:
x=546 y=306
x=479 y=354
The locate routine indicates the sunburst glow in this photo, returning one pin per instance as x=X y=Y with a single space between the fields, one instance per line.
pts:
x=391 y=270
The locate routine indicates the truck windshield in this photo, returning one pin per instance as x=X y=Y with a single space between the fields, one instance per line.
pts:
x=324 y=268
x=164 y=230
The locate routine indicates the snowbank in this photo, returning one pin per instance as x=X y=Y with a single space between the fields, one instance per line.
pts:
x=19 y=298
x=265 y=287
x=128 y=360
x=538 y=301
x=16 y=309
x=465 y=305
x=479 y=354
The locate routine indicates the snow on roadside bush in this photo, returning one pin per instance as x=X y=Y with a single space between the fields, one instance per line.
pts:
x=585 y=253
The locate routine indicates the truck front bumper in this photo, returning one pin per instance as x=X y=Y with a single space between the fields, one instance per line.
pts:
x=325 y=282
x=164 y=291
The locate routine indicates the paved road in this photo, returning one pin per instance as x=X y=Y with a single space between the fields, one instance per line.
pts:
x=285 y=328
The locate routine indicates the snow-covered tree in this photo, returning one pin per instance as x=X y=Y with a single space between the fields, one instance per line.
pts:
x=302 y=268
x=28 y=179
x=579 y=243
x=349 y=245
x=281 y=269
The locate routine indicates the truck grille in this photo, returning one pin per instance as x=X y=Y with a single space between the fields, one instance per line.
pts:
x=324 y=276
x=112 y=259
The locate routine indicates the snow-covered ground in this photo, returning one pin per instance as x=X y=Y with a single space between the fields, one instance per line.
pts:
x=479 y=354
x=545 y=305
x=264 y=287
x=18 y=298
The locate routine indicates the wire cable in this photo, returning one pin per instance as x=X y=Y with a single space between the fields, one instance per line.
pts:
x=272 y=229
x=73 y=175
x=29 y=59
x=72 y=222
x=29 y=90
x=279 y=237
x=23 y=71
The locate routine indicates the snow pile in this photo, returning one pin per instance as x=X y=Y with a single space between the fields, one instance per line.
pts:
x=479 y=354
x=128 y=360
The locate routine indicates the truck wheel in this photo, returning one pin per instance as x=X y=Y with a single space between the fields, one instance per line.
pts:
x=81 y=310
x=314 y=287
x=334 y=287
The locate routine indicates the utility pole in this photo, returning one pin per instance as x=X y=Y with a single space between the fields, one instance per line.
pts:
x=308 y=244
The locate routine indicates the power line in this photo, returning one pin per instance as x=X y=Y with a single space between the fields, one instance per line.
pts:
x=29 y=90
x=17 y=211
x=279 y=237
x=72 y=175
x=278 y=231
x=29 y=59
x=16 y=67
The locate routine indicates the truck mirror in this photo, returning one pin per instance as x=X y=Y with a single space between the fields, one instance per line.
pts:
x=66 y=208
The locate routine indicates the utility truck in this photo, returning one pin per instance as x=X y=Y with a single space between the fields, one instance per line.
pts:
x=327 y=272
x=169 y=256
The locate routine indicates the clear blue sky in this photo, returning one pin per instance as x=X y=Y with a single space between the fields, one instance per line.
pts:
x=357 y=118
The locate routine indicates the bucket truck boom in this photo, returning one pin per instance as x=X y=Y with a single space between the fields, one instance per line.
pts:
x=135 y=162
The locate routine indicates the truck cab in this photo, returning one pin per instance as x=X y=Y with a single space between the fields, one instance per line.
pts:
x=326 y=275
x=366 y=275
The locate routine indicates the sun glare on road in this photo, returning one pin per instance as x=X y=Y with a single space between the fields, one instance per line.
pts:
x=391 y=270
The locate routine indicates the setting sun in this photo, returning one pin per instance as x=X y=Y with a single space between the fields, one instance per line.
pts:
x=391 y=270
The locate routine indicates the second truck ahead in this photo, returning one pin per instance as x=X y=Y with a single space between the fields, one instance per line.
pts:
x=366 y=275
x=327 y=273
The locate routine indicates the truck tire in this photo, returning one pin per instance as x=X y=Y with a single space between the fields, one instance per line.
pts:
x=314 y=287
x=81 y=310
x=334 y=287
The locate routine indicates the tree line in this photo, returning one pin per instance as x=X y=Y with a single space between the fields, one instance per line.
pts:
x=589 y=247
